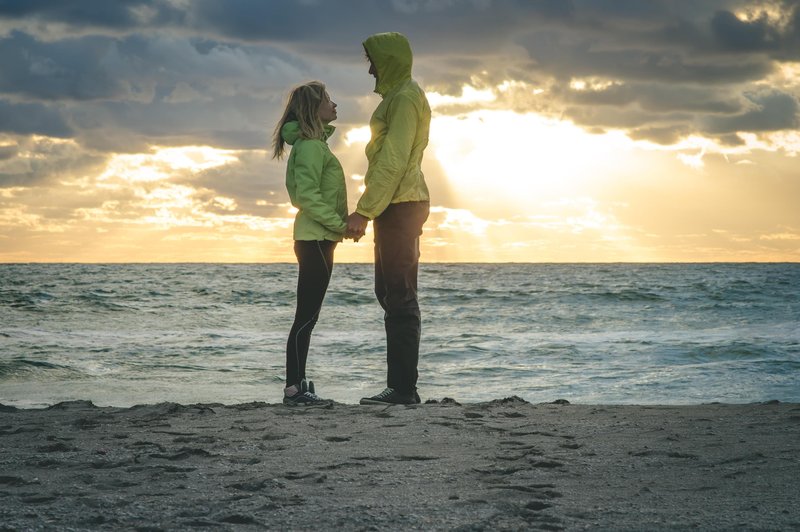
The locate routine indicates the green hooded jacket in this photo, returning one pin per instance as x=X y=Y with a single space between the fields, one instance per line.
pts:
x=400 y=126
x=316 y=185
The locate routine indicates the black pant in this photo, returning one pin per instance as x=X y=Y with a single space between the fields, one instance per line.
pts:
x=397 y=232
x=315 y=259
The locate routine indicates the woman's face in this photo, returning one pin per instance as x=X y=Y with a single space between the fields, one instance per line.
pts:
x=327 y=109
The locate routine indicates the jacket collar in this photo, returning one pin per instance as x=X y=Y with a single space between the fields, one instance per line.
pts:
x=291 y=132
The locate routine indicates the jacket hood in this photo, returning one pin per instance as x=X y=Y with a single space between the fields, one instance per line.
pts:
x=392 y=57
x=291 y=132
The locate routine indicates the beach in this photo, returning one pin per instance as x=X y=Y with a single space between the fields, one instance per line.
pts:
x=505 y=464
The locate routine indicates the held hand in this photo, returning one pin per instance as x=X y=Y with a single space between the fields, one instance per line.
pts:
x=356 y=226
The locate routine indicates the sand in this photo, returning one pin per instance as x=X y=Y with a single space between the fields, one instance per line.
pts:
x=502 y=465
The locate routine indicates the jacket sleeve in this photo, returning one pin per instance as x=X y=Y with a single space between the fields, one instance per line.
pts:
x=308 y=165
x=386 y=171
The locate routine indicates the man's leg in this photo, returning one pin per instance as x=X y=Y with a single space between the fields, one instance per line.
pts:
x=397 y=232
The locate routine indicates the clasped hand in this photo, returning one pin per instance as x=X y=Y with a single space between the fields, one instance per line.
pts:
x=356 y=226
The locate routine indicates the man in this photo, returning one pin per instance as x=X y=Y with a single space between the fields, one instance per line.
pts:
x=396 y=199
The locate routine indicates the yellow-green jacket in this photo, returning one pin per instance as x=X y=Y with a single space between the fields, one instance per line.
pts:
x=316 y=186
x=399 y=126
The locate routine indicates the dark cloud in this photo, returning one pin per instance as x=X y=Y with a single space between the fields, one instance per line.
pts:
x=565 y=55
x=33 y=119
x=119 y=75
x=655 y=115
x=771 y=111
x=658 y=98
x=231 y=122
x=343 y=25
x=71 y=69
x=606 y=117
x=660 y=135
x=134 y=67
x=39 y=162
x=116 y=14
x=264 y=21
x=125 y=92
x=740 y=36
x=776 y=33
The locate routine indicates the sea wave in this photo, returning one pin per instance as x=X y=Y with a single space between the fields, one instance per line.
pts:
x=17 y=368
x=606 y=333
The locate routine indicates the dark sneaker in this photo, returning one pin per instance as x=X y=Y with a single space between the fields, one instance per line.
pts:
x=305 y=396
x=389 y=396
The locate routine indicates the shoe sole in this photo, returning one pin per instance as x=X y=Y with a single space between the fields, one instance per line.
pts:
x=366 y=401
x=320 y=403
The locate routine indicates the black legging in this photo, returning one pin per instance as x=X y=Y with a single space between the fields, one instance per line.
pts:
x=315 y=259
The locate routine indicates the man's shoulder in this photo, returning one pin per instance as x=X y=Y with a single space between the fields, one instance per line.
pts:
x=409 y=93
x=410 y=86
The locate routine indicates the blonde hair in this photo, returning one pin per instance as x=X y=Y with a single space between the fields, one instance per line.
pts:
x=302 y=106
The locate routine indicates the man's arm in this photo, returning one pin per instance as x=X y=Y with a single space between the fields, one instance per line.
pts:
x=390 y=164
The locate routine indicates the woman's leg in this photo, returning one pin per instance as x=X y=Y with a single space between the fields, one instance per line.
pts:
x=315 y=260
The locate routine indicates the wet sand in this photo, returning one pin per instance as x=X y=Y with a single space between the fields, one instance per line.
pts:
x=506 y=465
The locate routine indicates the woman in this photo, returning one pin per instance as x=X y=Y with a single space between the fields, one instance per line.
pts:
x=316 y=185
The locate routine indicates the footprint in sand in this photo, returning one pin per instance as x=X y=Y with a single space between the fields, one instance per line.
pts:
x=337 y=439
x=59 y=447
x=13 y=481
x=183 y=454
x=314 y=478
x=254 y=486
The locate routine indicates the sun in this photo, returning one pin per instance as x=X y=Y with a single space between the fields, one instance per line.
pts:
x=511 y=158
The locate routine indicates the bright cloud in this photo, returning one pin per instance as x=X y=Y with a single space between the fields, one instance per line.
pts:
x=161 y=163
x=469 y=96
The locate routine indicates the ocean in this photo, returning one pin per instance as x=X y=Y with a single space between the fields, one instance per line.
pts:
x=127 y=334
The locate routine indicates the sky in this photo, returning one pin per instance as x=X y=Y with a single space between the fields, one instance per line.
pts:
x=562 y=130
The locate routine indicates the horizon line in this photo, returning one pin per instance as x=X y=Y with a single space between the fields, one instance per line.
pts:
x=99 y=263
